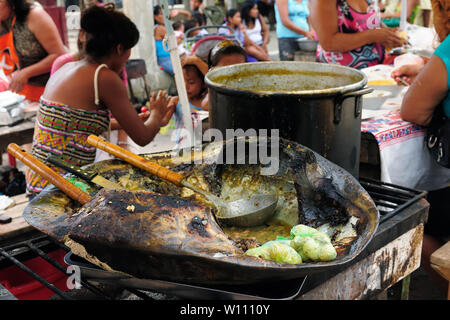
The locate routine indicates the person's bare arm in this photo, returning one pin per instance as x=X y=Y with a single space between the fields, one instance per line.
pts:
x=425 y=93
x=45 y=31
x=247 y=41
x=160 y=32
x=411 y=4
x=199 y=63
x=264 y=31
x=284 y=16
x=324 y=19
x=175 y=12
x=114 y=95
x=311 y=29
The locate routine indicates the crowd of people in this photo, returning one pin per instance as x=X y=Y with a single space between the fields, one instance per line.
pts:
x=85 y=92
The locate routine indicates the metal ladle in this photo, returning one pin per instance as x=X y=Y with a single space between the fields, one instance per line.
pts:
x=242 y=213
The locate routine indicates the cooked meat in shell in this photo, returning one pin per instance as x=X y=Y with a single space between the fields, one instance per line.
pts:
x=158 y=230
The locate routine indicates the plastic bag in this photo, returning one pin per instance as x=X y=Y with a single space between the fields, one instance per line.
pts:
x=312 y=244
x=407 y=58
x=276 y=251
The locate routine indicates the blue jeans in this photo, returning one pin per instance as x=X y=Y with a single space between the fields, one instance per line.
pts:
x=166 y=64
x=287 y=48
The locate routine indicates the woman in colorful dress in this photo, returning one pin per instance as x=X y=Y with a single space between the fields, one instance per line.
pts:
x=79 y=96
x=29 y=43
x=350 y=33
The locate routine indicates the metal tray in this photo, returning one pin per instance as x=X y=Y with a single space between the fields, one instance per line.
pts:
x=283 y=290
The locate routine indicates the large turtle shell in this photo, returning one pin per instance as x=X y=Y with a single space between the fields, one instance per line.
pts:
x=155 y=230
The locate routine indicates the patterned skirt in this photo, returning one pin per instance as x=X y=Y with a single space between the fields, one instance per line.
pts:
x=62 y=131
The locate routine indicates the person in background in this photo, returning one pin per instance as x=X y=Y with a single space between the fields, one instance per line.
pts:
x=425 y=7
x=292 y=24
x=234 y=21
x=201 y=22
x=159 y=31
x=266 y=8
x=178 y=29
x=29 y=43
x=226 y=53
x=197 y=7
x=190 y=24
x=390 y=12
x=256 y=30
x=430 y=85
x=79 y=97
x=350 y=33
x=194 y=70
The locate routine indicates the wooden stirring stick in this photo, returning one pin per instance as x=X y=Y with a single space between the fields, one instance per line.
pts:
x=47 y=173
x=136 y=160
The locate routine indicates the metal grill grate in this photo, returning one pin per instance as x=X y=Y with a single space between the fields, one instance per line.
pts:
x=39 y=247
x=390 y=199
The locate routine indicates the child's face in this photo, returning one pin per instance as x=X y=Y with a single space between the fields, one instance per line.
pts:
x=254 y=11
x=194 y=84
x=195 y=32
x=231 y=59
x=236 y=19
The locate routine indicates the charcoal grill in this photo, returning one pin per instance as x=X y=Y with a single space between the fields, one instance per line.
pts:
x=400 y=210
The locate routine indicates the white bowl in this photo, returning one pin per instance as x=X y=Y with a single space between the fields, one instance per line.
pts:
x=375 y=99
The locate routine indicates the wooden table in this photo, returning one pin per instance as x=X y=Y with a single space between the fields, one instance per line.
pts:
x=18 y=228
x=440 y=261
x=19 y=134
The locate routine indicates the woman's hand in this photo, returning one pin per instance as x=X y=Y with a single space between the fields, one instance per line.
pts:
x=144 y=115
x=171 y=104
x=309 y=35
x=407 y=73
x=18 y=80
x=388 y=37
x=162 y=108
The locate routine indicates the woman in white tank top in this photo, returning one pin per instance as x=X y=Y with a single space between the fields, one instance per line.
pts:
x=256 y=33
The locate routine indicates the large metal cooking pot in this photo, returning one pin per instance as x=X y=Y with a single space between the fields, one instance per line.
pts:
x=315 y=104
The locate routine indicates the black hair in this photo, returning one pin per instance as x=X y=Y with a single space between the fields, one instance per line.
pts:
x=177 y=25
x=191 y=23
x=225 y=51
x=156 y=10
x=106 y=28
x=231 y=13
x=200 y=18
x=200 y=75
x=21 y=9
x=245 y=11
